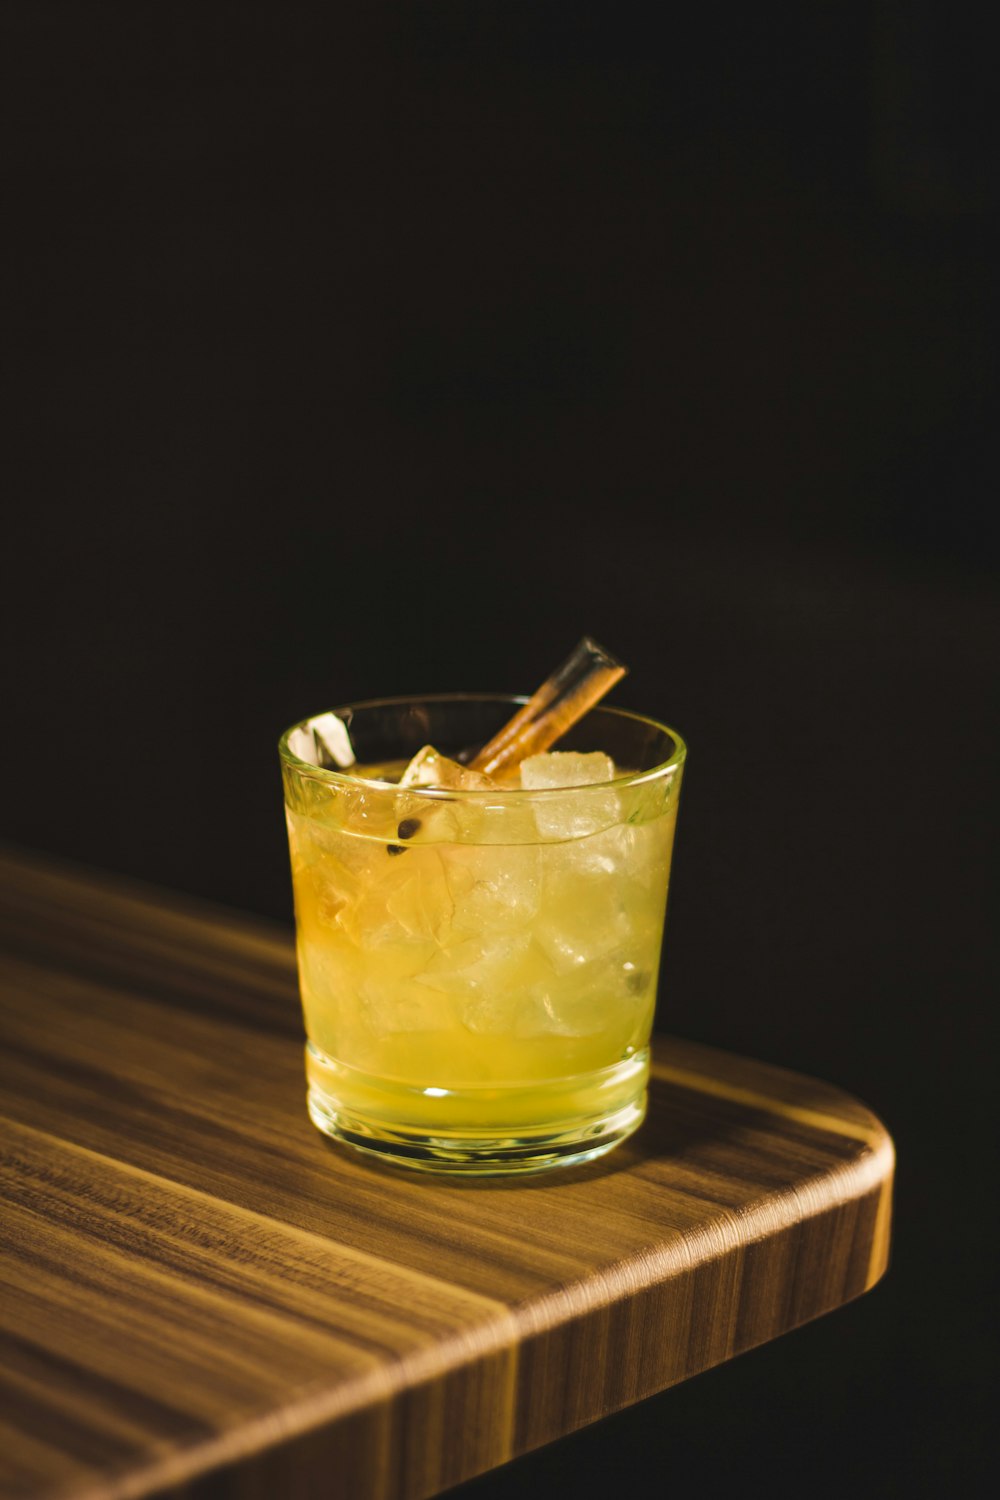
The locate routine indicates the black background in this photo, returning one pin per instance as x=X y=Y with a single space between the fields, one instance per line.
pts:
x=350 y=355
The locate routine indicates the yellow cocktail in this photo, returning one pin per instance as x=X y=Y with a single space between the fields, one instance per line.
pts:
x=479 y=964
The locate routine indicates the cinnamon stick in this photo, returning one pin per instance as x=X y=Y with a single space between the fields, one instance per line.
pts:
x=564 y=697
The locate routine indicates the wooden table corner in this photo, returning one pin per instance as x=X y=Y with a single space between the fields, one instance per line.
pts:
x=201 y=1296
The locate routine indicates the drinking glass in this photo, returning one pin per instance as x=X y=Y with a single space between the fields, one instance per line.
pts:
x=478 y=968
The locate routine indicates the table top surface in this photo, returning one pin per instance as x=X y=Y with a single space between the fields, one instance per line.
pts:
x=198 y=1290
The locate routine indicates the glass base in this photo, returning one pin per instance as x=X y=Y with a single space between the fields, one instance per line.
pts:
x=492 y=1131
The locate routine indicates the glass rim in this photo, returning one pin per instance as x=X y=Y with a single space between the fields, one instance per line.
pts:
x=344 y=778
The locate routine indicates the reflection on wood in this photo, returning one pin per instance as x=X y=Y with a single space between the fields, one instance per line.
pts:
x=203 y=1296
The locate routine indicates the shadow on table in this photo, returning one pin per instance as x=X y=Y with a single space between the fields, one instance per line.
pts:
x=681 y=1123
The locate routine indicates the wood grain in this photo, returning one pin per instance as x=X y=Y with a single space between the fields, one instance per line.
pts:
x=201 y=1296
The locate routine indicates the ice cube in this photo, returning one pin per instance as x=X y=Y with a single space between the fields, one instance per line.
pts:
x=397 y=1006
x=348 y=859
x=490 y=1012
x=333 y=740
x=646 y=853
x=598 y=855
x=302 y=743
x=422 y=820
x=332 y=975
x=330 y=972
x=569 y=816
x=495 y=887
x=476 y=967
x=584 y=914
x=389 y=910
x=562 y=768
x=570 y=943
x=423 y=904
x=604 y=997
x=329 y=869
x=430 y=768
x=331 y=900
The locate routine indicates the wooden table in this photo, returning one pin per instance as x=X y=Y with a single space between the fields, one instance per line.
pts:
x=199 y=1294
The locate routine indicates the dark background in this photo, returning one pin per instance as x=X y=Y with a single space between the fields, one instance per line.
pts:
x=350 y=355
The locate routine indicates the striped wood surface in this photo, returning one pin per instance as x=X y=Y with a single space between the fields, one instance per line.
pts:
x=201 y=1296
